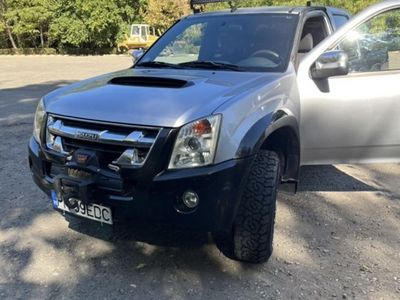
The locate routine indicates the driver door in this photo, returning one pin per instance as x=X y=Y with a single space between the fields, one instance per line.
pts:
x=355 y=118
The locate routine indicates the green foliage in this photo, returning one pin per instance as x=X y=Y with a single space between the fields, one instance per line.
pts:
x=30 y=20
x=67 y=24
x=161 y=14
x=88 y=24
x=98 y=25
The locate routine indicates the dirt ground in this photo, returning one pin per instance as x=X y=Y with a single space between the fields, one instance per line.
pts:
x=339 y=237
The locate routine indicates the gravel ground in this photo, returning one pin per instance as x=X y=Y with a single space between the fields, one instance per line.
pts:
x=337 y=238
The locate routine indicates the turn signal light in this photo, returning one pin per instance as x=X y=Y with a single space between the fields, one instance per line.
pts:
x=202 y=127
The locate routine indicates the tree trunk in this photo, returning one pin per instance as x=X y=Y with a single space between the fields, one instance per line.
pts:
x=41 y=37
x=3 y=9
x=8 y=29
x=19 y=42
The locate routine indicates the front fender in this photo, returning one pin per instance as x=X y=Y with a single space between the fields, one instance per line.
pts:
x=252 y=115
x=261 y=130
x=278 y=133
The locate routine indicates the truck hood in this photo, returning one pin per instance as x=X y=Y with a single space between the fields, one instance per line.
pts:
x=153 y=97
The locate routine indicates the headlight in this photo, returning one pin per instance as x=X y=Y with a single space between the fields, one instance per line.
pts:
x=196 y=143
x=39 y=120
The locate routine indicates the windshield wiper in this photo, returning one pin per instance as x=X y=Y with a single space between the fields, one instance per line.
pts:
x=215 y=65
x=158 y=64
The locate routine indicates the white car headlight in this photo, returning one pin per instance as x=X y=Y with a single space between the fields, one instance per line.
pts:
x=40 y=116
x=196 y=143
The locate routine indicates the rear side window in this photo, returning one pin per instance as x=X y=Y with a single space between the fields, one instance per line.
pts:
x=340 y=20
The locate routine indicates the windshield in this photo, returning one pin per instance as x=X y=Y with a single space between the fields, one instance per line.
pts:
x=251 y=42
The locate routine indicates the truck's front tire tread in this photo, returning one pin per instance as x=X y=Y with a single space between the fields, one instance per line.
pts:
x=252 y=233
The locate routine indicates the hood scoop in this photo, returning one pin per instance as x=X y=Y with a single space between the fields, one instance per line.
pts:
x=150 y=81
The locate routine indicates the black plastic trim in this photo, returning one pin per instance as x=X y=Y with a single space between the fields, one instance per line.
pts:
x=150 y=81
x=262 y=130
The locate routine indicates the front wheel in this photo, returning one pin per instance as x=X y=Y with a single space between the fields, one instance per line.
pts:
x=251 y=236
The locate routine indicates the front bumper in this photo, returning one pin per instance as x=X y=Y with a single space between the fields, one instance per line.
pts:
x=154 y=196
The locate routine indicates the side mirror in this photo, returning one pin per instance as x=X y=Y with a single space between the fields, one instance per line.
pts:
x=136 y=55
x=331 y=63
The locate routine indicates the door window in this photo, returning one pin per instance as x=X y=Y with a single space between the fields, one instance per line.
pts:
x=375 y=45
x=314 y=32
x=316 y=28
x=135 y=31
x=144 y=33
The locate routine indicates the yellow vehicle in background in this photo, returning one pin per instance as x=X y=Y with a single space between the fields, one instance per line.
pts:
x=142 y=36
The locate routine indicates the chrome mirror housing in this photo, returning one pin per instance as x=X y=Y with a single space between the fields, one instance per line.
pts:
x=331 y=63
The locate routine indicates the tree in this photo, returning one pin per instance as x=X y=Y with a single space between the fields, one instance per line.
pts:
x=131 y=11
x=162 y=14
x=85 y=23
x=31 y=19
x=101 y=23
x=5 y=25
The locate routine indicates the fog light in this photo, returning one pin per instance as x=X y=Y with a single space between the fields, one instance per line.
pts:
x=190 y=199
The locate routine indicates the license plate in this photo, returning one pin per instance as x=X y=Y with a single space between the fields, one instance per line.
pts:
x=93 y=211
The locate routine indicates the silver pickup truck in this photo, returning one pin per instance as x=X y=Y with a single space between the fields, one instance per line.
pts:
x=220 y=113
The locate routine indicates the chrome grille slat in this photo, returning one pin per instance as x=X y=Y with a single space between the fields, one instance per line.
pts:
x=135 y=138
x=120 y=145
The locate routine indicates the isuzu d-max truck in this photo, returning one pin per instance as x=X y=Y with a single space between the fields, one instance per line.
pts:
x=220 y=113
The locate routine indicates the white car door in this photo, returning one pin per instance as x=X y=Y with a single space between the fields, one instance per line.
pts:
x=354 y=117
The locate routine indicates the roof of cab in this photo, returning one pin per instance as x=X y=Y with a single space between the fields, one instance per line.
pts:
x=267 y=9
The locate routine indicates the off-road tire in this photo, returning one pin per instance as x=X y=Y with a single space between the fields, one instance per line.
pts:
x=251 y=237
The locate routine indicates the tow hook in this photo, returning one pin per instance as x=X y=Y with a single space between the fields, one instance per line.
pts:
x=71 y=203
x=71 y=190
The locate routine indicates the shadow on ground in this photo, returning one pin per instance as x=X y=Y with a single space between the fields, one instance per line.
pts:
x=330 y=179
x=17 y=105
x=46 y=260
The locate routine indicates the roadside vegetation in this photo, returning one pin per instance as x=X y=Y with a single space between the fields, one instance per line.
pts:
x=97 y=26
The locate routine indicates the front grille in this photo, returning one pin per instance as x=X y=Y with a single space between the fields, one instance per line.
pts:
x=113 y=143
